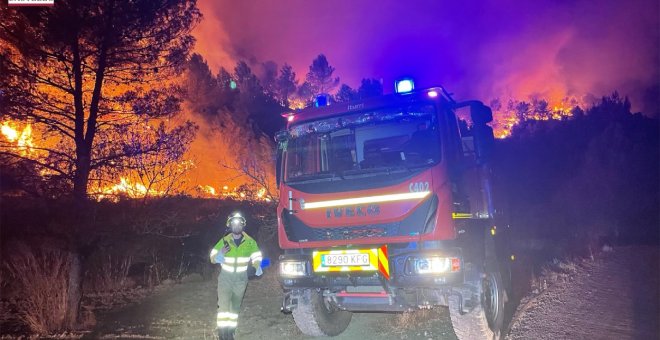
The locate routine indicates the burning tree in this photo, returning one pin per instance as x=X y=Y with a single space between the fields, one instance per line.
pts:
x=95 y=79
x=90 y=74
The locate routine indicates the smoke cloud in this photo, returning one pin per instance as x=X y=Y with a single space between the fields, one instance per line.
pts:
x=483 y=50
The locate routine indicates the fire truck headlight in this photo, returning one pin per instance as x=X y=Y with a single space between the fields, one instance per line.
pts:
x=293 y=268
x=405 y=85
x=434 y=265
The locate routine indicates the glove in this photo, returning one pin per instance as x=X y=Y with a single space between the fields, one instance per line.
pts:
x=259 y=271
x=217 y=257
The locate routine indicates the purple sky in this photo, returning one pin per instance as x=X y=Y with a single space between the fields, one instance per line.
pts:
x=481 y=50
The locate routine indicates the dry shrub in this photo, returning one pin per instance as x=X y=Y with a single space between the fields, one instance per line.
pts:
x=108 y=271
x=39 y=276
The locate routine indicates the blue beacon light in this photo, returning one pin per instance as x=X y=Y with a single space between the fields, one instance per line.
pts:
x=322 y=100
x=404 y=85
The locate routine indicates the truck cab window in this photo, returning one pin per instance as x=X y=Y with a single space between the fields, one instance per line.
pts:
x=364 y=143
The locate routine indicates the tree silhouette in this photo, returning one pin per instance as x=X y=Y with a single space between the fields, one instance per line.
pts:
x=88 y=75
x=370 y=88
x=87 y=72
x=286 y=85
x=320 y=77
x=269 y=77
x=345 y=94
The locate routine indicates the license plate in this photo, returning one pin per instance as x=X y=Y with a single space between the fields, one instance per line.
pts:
x=345 y=260
x=332 y=260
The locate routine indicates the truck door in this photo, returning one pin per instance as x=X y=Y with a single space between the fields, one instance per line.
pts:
x=471 y=170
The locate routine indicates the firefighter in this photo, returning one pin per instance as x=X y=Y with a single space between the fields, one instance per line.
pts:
x=235 y=252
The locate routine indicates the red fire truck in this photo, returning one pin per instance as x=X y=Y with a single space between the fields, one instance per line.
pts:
x=386 y=205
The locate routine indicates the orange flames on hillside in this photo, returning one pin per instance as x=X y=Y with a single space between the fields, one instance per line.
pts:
x=19 y=138
x=507 y=116
x=127 y=188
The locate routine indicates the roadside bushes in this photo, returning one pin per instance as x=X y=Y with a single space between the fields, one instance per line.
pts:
x=577 y=184
x=37 y=278
x=121 y=245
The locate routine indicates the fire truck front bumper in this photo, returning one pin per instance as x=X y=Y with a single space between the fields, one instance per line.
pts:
x=406 y=270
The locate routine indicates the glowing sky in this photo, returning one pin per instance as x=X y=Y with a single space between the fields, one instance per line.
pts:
x=482 y=50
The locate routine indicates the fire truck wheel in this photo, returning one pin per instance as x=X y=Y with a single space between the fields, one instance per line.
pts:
x=315 y=316
x=485 y=321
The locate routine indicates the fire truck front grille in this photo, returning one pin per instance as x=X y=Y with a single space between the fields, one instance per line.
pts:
x=298 y=231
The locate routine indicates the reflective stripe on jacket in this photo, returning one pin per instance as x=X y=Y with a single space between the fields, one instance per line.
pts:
x=238 y=258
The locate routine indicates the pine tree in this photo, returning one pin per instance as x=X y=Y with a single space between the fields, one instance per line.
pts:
x=370 y=88
x=286 y=85
x=320 y=76
x=345 y=94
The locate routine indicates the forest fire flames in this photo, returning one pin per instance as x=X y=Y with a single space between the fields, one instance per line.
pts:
x=514 y=112
x=21 y=138
x=127 y=188
x=209 y=190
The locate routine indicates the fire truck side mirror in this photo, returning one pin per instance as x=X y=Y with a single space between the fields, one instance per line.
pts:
x=480 y=113
x=281 y=137
x=484 y=140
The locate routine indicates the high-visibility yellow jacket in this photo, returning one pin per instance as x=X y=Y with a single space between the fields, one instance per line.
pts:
x=237 y=258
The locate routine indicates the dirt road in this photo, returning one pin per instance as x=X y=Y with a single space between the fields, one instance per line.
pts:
x=187 y=311
x=614 y=297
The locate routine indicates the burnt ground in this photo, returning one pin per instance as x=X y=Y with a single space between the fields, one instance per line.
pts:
x=616 y=296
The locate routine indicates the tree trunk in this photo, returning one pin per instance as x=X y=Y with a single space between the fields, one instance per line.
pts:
x=80 y=188
x=74 y=291
x=75 y=281
x=81 y=178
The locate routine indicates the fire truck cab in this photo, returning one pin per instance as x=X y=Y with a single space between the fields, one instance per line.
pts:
x=386 y=205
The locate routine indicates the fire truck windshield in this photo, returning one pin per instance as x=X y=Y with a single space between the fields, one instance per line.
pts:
x=364 y=143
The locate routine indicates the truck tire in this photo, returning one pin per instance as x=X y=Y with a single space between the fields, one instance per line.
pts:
x=316 y=317
x=485 y=321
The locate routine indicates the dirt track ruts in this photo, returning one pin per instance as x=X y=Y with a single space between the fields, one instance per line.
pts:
x=614 y=297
